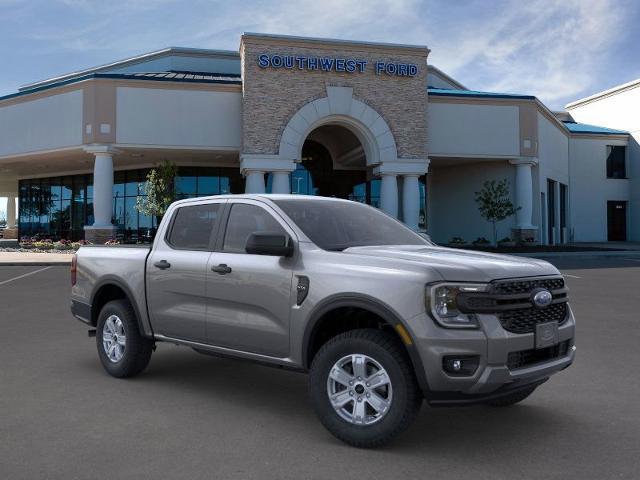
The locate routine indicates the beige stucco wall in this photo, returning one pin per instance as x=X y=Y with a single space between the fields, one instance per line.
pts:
x=272 y=96
x=178 y=117
x=44 y=123
x=453 y=209
x=473 y=129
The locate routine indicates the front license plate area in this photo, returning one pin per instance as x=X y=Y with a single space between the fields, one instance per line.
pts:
x=546 y=334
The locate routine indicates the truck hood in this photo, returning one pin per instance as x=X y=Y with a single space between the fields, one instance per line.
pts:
x=460 y=265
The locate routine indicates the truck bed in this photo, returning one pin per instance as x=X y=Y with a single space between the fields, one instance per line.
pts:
x=123 y=265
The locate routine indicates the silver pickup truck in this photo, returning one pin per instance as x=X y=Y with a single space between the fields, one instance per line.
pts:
x=379 y=316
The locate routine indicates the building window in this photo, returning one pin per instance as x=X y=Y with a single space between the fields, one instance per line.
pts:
x=60 y=207
x=616 y=161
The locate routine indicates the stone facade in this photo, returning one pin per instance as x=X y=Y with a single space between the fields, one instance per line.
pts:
x=10 y=233
x=272 y=96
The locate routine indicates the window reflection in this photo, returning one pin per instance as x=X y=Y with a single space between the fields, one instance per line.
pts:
x=60 y=207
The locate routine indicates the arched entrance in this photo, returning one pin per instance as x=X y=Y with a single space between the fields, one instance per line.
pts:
x=333 y=164
x=339 y=146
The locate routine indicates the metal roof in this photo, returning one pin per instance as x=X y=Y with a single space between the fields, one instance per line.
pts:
x=575 y=127
x=131 y=61
x=445 y=92
x=186 y=77
x=176 y=75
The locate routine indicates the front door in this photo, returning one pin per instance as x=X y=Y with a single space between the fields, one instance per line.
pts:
x=177 y=271
x=617 y=221
x=249 y=296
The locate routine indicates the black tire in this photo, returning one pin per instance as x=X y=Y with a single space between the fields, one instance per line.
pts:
x=137 y=349
x=385 y=349
x=515 y=397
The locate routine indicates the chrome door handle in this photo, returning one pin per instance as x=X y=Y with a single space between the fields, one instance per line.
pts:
x=162 y=264
x=222 y=269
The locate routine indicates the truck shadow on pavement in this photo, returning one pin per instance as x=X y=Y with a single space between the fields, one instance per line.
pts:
x=243 y=386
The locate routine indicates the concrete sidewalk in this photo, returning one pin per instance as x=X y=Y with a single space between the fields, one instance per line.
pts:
x=34 y=259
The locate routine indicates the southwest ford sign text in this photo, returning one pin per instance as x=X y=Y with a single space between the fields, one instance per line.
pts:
x=331 y=64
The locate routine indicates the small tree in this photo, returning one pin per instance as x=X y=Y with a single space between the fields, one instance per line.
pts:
x=159 y=190
x=494 y=203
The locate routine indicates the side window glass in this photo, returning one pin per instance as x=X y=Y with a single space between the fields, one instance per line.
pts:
x=244 y=220
x=193 y=226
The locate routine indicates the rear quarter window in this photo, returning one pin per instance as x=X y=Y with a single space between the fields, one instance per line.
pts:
x=193 y=227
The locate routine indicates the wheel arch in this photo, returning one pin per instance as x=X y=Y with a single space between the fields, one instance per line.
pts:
x=321 y=316
x=112 y=288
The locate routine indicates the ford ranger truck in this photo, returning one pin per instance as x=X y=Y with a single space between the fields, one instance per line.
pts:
x=380 y=317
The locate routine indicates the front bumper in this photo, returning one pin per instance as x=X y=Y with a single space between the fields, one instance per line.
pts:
x=492 y=344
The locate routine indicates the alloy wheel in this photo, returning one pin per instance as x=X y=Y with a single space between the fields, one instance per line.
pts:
x=359 y=389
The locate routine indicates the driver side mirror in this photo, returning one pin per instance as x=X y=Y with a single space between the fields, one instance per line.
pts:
x=265 y=243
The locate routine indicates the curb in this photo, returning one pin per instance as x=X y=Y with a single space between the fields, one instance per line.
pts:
x=35 y=264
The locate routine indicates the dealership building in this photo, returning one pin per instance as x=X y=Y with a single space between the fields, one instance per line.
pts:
x=371 y=122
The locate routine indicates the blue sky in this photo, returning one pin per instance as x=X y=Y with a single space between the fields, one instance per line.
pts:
x=558 y=50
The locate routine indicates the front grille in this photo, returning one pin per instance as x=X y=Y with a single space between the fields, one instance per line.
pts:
x=525 y=286
x=524 y=358
x=511 y=301
x=525 y=320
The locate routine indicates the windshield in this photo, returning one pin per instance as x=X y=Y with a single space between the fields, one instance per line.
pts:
x=338 y=225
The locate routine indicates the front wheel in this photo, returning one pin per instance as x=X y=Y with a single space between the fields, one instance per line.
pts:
x=123 y=351
x=363 y=388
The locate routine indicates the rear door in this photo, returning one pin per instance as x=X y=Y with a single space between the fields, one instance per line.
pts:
x=177 y=271
x=249 y=296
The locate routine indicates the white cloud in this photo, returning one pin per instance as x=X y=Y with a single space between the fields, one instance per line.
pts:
x=548 y=48
x=553 y=49
x=349 y=19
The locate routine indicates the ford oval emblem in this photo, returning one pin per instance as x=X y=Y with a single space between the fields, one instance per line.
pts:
x=541 y=298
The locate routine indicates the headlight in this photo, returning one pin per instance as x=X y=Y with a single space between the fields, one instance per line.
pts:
x=442 y=302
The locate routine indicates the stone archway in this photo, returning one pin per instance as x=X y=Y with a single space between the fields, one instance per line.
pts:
x=340 y=108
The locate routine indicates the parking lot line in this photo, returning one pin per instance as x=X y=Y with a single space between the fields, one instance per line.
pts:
x=572 y=276
x=25 y=275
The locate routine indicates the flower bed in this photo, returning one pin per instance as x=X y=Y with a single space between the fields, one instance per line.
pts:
x=39 y=245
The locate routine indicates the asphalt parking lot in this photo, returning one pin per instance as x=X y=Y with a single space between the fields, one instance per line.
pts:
x=191 y=416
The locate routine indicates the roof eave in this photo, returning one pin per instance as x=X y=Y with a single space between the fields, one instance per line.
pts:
x=603 y=94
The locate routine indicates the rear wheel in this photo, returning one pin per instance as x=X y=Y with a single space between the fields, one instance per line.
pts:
x=363 y=387
x=515 y=397
x=123 y=351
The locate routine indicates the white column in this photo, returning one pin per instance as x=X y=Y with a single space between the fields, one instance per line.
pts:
x=389 y=194
x=254 y=181
x=411 y=201
x=524 y=192
x=103 y=189
x=11 y=212
x=280 y=183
